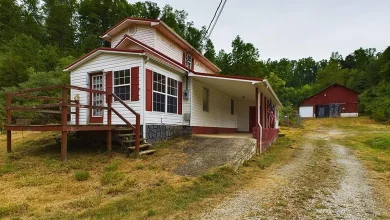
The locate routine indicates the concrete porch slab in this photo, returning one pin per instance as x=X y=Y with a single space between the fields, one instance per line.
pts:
x=209 y=151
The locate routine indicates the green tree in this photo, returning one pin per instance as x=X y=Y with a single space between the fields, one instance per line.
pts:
x=210 y=51
x=10 y=20
x=244 y=58
x=59 y=23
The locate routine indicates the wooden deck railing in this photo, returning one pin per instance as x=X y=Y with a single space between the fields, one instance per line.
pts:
x=63 y=104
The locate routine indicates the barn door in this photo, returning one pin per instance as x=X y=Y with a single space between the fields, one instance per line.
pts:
x=96 y=83
x=334 y=110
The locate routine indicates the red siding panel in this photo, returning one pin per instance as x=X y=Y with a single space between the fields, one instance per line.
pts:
x=180 y=99
x=149 y=90
x=135 y=84
x=335 y=94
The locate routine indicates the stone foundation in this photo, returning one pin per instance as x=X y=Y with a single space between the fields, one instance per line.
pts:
x=155 y=133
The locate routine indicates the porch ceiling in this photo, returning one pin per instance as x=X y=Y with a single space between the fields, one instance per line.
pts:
x=237 y=88
x=240 y=88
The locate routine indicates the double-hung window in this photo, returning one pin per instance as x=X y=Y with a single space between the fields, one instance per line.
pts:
x=172 y=96
x=232 y=106
x=159 y=84
x=122 y=84
x=165 y=94
x=205 y=100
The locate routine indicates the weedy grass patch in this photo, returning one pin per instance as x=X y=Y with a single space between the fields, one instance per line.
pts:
x=94 y=184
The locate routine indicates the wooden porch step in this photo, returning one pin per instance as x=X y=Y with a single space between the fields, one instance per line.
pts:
x=132 y=141
x=123 y=129
x=128 y=135
x=142 y=146
x=147 y=152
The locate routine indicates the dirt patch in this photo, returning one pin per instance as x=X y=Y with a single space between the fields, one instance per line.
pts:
x=204 y=153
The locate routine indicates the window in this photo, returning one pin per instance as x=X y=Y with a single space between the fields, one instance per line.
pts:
x=232 y=106
x=158 y=92
x=97 y=99
x=165 y=93
x=172 y=96
x=122 y=84
x=205 y=100
x=188 y=61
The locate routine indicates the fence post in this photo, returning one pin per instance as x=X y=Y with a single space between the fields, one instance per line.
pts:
x=64 y=122
x=77 y=112
x=109 y=118
x=8 y=122
x=137 y=134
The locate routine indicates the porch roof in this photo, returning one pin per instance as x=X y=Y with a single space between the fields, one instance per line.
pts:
x=239 y=87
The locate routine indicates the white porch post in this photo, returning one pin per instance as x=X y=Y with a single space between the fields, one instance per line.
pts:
x=258 y=121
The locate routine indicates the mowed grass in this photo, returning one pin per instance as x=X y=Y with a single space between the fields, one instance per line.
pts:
x=93 y=184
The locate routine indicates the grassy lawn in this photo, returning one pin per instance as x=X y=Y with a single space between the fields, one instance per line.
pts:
x=35 y=184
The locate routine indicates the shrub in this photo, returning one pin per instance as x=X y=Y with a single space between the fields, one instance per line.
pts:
x=81 y=175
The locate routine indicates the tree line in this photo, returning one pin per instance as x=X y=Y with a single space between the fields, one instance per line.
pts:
x=38 y=38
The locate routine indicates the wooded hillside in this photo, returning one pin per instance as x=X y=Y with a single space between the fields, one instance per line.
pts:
x=39 y=38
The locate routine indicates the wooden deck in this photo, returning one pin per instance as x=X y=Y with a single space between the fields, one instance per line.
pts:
x=62 y=106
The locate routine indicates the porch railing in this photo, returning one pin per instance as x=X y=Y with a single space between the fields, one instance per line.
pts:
x=62 y=105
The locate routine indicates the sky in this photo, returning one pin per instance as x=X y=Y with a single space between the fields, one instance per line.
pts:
x=294 y=29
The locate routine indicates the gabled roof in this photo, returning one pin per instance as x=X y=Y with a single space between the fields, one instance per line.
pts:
x=150 y=49
x=328 y=88
x=98 y=51
x=163 y=29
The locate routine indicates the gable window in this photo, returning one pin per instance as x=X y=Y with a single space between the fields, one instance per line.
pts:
x=205 y=100
x=165 y=94
x=188 y=61
x=232 y=106
x=122 y=84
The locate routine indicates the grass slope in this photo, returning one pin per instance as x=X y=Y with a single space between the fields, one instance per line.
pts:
x=34 y=183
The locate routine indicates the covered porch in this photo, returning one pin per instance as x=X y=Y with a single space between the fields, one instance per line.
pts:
x=254 y=105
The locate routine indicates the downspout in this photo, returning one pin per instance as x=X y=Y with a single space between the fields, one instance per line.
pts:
x=144 y=61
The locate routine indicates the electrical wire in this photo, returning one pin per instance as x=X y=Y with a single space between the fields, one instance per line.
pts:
x=216 y=20
x=215 y=14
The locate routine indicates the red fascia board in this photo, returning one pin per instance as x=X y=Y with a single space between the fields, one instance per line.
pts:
x=128 y=18
x=229 y=76
x=151 y=49
x=102 y=49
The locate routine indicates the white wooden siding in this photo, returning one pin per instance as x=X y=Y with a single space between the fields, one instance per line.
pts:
x=145 y=34
x=168 y=48
x=161 y=117
x=107 y=62
x=200 y=67
x=243 y=114
x=219 y=108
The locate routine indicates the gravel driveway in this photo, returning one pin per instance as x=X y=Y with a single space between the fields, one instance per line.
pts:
x=324 y=181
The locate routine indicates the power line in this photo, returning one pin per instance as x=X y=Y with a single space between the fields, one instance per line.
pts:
x=215 y=14
x=216 y=20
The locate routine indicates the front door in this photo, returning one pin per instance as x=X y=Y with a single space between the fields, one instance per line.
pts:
x=96 y=83
x=252 y=117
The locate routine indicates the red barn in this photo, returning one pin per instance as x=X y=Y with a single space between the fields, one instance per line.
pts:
x=334 y=101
